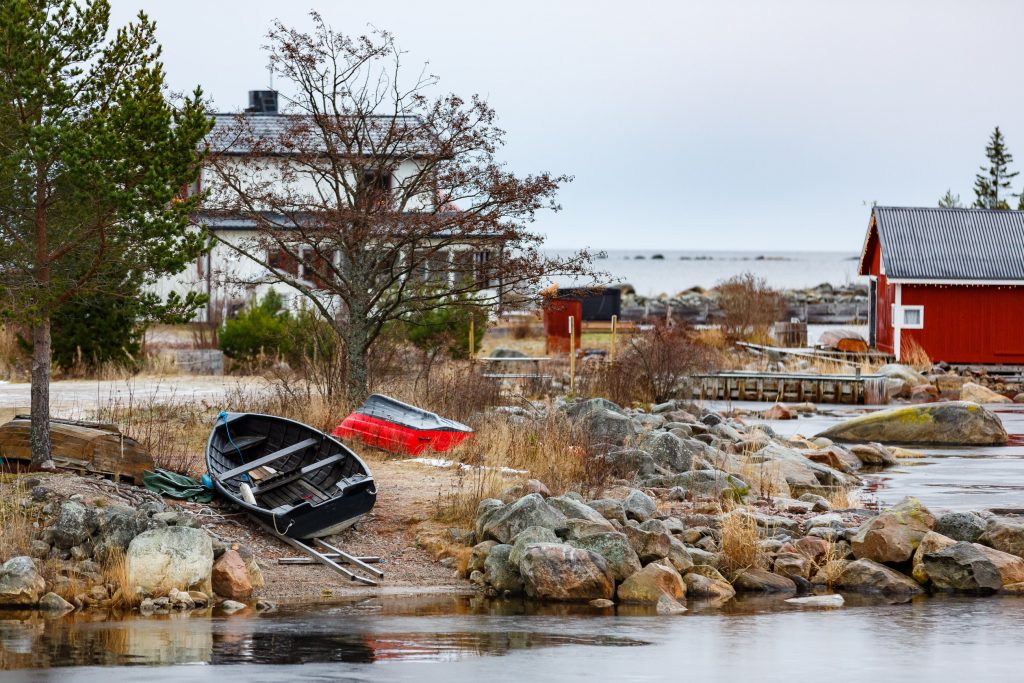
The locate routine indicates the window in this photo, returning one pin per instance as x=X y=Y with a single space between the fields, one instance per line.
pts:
x=281 y=260
x=913 y=317
x=376 y=184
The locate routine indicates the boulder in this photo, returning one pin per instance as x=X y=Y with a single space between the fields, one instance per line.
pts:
x=524 y=539
x=818 y=601
x=962 y=567
x=502 y=524
x=958 y=423
x=873 y=455
x=553 y=571
x=651 y=583
x=778 y=412
x=54 y=604
x=172 y=557
x=230 y=578
x=1011 y=567
x=961 y=526
x=73 y=525
x=906 y=374
x=667 y=605
x=573 y=509
x=893 y=535
x=638 y=505
x=868 y=576
x=478 y=554
x=583 y=408
x=1004 y=533
x=976 y=393
x=20 y=583
x=709 y=484
x=604 y=427
x=500 y=572
x=756 y=580
x=791 y=565
x=614 y=547
x=667 y=450
x=649 y=545
x=609 y=508
x=703 y=581
x=485 y=509
x=514 y=493
x=930 y=542
x=117 y=526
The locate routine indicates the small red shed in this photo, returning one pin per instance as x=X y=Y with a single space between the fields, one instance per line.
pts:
x=951 y=280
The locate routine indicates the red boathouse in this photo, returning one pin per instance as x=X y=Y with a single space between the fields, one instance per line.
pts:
x=951 y=280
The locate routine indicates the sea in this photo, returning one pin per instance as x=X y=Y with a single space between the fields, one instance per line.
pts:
x=654 y=272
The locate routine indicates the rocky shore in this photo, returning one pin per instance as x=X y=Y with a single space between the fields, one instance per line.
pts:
x=705 y=505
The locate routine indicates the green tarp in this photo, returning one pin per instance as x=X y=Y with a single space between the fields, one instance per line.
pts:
x=176 y=485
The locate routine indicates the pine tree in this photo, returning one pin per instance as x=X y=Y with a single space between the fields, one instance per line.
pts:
x=950 y=201
x=92 y=160
x=991 y=186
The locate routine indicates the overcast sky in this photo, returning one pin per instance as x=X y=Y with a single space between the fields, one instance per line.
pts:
x=687 y=125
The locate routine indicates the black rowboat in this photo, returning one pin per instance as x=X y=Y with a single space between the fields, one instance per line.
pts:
x=295 y=479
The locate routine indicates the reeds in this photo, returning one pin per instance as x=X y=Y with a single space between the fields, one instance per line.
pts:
x=739 y=548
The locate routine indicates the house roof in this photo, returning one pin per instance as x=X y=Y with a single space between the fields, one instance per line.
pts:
x=237 y=134
x=947 y=245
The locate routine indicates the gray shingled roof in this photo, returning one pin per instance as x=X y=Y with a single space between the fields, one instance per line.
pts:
x=951 y=244
x=230 y=137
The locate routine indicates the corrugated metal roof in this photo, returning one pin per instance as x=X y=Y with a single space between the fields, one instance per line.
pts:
x=951 y=244
x=278 y=134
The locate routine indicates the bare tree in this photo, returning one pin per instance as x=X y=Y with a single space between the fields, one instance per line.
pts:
x=749 y=306
x=374 y=198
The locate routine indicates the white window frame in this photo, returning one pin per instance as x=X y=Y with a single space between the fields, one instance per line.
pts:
x=903 y=317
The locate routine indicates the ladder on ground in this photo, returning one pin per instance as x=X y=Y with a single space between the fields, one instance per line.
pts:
x=319 y=550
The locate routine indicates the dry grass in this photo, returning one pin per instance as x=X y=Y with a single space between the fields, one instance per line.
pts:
x=16 y=524
x=914 y=355
x=842 y=499
x=739 y=547
x=115 y=573
x=11 y=353
x=831 y=565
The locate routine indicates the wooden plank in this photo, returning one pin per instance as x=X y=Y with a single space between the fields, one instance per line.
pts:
x=268 y=458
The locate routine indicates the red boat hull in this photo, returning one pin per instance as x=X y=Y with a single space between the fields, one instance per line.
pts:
x=396 y=438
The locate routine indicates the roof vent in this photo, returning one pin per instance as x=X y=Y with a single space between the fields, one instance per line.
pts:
x=262 y=102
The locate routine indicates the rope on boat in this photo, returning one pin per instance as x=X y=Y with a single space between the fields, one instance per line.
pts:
x=223 y=416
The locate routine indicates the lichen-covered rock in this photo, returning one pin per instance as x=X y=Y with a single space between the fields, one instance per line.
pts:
x=893 y=535
x=502 y=524
x=117 y=526
x=477 y=555
x=603 y=427
x=514 y=493
x=73 y=525
x=668 y=451
x=54 y=604
x=554 y=571
x=1004 y=533
x=20 y=583
x=667 y=605
x=615 y=548
x=499 y=571
x=930 y=542
x=650 y=546
x=873 y=455
x=868 y=576
x=792 y=564
x=958 y=422
x=714 y=484
x=961 y=526
x=652 y=582
x=574 y=509
x=962 y=567
x=527 y=537
x=977 y=393
x=609 y=508
x=174 y=557
x=1011 y=567
x=703 y=581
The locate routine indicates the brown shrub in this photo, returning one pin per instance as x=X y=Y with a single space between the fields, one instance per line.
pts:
x=749 y=307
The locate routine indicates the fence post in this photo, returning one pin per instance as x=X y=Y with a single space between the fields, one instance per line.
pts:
x=472 y=338
x=615 y=327
x=572 y=355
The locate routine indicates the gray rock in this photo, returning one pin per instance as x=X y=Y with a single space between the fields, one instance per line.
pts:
x=527 y=537
x=962 y=567
x=553 y=571
x=1004 y=533
x=54 y=604
x=954 y=422
x=73 y=525
x=668 y=451
x=615 y=548
x=117 y=526
x=574 y=509
x=649 y=546
x=755 y=580
x=578 y=528
x=230 y=606
x=638 y=505
x=818 y=503
x=961 y=526
x=500 y=573
x=502 y=524
x=626 y=462
x=20 y=583
x=705 y=484
x=868 y=576
x=583 y=408
x=603 y=427
x=478 y=555
x=171 y=557
x=484 y=510
x=873 y=455
x=609 y=508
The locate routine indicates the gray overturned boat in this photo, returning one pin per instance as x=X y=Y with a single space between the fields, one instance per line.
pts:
x=295 y=479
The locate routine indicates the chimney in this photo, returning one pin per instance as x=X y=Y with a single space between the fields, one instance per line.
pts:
x=262 y=102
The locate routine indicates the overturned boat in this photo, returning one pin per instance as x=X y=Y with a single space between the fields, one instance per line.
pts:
x=396 y=427
x=295 y=479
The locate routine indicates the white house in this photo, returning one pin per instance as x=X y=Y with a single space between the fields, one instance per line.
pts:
x=231 y=280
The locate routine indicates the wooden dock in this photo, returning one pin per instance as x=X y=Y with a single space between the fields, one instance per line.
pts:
x=782 y=387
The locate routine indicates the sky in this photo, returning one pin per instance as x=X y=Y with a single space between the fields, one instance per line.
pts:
x=718 y=124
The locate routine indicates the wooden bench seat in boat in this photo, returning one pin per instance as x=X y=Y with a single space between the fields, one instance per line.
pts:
x=268 y=458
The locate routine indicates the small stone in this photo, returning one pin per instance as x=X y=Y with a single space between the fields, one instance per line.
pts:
x=230 y=606
x=51 y=602
x=667 y=605
x=265 y=605
x=602 y=603
x=834 y=600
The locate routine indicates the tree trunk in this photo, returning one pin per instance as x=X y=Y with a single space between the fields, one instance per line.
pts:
x=39 y=435
x=357 y=345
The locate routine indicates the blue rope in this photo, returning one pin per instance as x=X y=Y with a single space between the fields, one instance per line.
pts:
x=223 y=416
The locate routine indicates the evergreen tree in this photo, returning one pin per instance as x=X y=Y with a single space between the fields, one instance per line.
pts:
x=950 y=201
x=991 y=186
x=92 y=160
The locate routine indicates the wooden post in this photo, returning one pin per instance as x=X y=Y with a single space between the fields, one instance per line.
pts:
x=572 y=355
x=615 y=320
x=472 y=338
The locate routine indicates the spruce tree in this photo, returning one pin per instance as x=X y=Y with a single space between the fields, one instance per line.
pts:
x=991 y=186
x=950 y=201
x=93 y=157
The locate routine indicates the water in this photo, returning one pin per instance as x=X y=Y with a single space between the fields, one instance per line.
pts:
x=955 y=478
x=470 y=639
x=681 y=270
